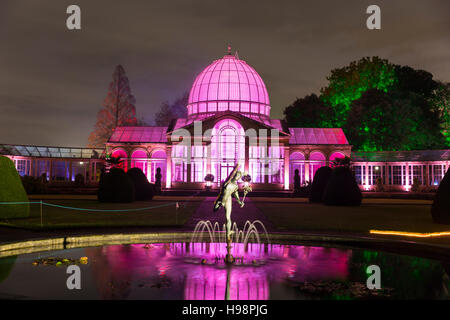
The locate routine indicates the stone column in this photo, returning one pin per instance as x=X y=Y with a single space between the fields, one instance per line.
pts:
x=407 y=182
x=208 y=159
x=169 y=167
x=386 y=174
x=307 y=175
x=50 y=178
x=267 y=162
x=247 y=155
x=30 y=169
x=286 y=168
x=188 y=160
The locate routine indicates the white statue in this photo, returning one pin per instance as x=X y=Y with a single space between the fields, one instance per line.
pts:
x=229 y=189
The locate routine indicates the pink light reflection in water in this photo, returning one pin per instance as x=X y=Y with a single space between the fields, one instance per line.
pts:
x=123 y=265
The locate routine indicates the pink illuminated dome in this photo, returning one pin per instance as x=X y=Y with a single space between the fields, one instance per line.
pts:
x=229 y=84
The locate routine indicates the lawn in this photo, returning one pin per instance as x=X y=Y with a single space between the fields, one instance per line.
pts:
x=383 y=216
x=162 y=214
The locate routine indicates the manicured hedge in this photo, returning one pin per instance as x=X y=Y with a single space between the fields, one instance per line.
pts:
x=319 y=184
x=342 y=189
x=12 y=190
x=143 y=190
x=116 y=186
x=440 y=210
x=34 y=185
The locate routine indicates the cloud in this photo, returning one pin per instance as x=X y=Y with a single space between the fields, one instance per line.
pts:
x=54 y=80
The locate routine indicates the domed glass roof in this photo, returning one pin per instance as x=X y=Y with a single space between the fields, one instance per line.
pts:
x=228 y=84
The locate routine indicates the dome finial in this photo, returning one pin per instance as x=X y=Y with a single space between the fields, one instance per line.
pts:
x=229 y=49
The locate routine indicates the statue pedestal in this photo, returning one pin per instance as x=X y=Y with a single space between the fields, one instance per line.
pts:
x=229 y=259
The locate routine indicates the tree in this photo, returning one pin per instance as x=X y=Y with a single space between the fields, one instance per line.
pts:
x=440 y=102
x=309 y=112
x=417 y=81
x=348 y=83
x=341 y=162
x=168 y=112
x=392 y=121
x=118 y=109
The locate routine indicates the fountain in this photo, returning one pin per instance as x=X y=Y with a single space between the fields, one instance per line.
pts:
x=216 y=236
x=230 y=232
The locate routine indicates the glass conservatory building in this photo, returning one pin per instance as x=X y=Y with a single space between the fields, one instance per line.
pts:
x=228 y=121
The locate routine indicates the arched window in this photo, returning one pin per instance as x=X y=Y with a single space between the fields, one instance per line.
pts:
x=139 y=160
x=158 y=160
x=336 y=155
x=316 y=160
x=227 y=148
x=297 y=162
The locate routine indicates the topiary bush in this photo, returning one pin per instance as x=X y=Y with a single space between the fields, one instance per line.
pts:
x=12 y=190
x=34 y=185
x=440 y=210
x=116 y=186
x=143 y=190
x=79 y=180
x=319 y=183
x=342 y=189
x=379 y=186
x=415 y=187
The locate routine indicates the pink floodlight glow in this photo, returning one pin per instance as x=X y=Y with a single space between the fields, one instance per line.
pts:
x=229 y=84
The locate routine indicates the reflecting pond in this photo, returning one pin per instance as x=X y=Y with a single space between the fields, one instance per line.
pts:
x=196 y=271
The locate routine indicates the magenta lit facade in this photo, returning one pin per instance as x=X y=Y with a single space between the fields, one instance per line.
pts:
x=229 y=98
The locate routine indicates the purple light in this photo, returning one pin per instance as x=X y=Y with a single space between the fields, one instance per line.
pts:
x=229 y=84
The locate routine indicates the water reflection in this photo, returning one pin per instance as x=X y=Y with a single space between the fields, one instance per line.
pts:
x=195 y=271
x=116 y=267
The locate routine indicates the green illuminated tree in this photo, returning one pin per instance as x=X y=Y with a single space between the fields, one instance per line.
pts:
x=440 y=101
x=348 y=83
x=309 y=112
x=392 y=121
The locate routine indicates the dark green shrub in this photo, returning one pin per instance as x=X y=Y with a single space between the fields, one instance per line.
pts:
x=79 y=180
x=116 y=186
x=440 y=210
x=319 y=183
x=379 y=186
x=34 y=185
x=209 y=178
x=415 y=187
x=12 y=190
x=143 y=190
x=342 y=189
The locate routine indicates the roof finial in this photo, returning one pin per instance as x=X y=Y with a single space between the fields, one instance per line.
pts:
x=229 y=49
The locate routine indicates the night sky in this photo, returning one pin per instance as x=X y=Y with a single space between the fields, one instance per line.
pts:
x=53 y=81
